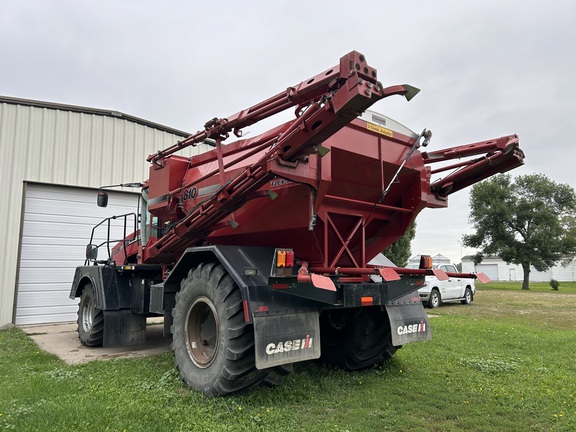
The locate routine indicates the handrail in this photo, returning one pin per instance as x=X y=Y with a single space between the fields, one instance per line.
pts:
x=124 y=240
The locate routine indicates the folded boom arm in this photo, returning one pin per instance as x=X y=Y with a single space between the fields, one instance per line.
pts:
x=332 y=99
x=499 y=155
x=351 y=69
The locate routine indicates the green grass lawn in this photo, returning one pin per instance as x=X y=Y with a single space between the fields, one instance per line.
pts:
x=505 y=363
x=565 y=287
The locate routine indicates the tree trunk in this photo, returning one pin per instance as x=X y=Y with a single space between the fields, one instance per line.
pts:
x=526 y=280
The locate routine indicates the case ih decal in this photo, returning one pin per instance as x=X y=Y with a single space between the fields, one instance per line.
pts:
x=412 y=328
x=289 y=345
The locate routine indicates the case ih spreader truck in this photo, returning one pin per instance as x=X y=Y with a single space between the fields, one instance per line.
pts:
x=257 y=252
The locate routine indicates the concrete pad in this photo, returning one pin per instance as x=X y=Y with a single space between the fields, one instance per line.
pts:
x=62 y=340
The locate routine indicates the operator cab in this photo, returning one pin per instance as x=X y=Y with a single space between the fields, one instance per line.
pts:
x=150 y=226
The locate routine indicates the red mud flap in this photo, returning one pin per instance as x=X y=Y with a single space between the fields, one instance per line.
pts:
x=286 y=338
x=408 y=323
x=482 y=277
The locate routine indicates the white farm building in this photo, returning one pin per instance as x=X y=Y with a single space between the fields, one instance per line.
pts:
x=496 y=269
x=437 y=259
x=53 y=159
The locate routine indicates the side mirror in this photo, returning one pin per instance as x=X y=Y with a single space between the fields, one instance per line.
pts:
x=102 y=199
x=91 y=252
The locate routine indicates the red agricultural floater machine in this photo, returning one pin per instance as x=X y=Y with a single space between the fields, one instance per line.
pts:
x=257 y=253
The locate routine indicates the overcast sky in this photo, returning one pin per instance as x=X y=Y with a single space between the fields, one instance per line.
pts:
x=485 y=68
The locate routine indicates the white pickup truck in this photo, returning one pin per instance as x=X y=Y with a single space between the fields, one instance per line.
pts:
x=435 y=291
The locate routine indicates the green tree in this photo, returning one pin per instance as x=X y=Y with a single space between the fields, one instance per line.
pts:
x=399 y=251
x=529 y=221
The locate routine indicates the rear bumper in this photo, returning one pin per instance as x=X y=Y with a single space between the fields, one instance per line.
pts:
x=424 y=296
x=424 y=293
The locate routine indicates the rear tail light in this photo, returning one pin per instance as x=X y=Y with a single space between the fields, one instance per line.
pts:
x=367 y=301
x=284 y=262
x=281 y=259
x=284 y=258
x=289 y=258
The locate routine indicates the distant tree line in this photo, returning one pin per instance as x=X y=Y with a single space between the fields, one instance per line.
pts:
x=399 y=252
x=528 y=221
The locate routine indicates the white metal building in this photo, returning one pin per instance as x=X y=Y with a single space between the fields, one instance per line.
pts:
x=437 y=259
x=496 y=269
x=53 y=158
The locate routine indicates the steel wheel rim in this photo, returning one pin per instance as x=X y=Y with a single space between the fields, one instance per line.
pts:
x=87 y=315
x=202 y=332
x=435 y=299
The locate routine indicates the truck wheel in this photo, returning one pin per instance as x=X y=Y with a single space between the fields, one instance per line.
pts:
x=435 y=300
x=355 y=339
x=90 y=319
x=467 y=296
x=213 y=345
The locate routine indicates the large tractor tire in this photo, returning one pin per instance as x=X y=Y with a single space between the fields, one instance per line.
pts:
x=90 y=319
x=213 y=345
x=355 y=339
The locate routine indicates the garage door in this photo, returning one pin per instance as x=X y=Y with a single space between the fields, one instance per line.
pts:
x=490 y=270
x=57 y=225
